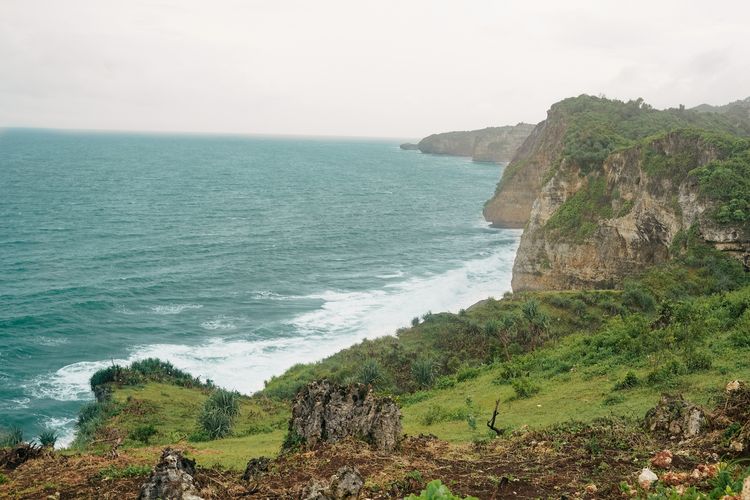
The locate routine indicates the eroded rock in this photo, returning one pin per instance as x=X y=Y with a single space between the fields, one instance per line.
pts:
x=324 y=412
x=171 y=479
x=256 y=467
x=346 y=484
x=676 y=417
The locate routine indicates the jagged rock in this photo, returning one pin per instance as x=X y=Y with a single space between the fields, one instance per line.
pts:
x=344 y=485
x=171 y=479
x=255 y=468
x=324 y=412
x=316 y=490
x=676 y=417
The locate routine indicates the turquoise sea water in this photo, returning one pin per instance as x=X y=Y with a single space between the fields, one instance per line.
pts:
x=232 y=257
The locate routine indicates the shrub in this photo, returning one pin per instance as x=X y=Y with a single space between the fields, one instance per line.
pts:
x=667 y=372
x=445 y=382
x=436 y=413
x=227 y=402
x=88 y=412
x=423 y=371
x=283 y=388
x=697 y=361
x=292 y=441
x=47 y=439
x=613 y=399
x=217 y=416
x=143 y=433
x=524 y=388
x=468 y=373
x=3 y=478
x=631 y=380
x=637 y=298
x=105 y=376
x=370 y=372
x=491 y=328
x=415 y=321
x=436 y=490
x=11 y=437
x=214 y=424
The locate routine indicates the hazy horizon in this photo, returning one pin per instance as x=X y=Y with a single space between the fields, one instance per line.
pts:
x=345 y=69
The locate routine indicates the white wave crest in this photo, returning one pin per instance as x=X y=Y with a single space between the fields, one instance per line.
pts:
x=174 y=308
x=219 y=324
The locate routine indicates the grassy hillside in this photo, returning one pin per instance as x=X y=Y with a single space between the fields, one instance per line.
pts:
x=547 y=357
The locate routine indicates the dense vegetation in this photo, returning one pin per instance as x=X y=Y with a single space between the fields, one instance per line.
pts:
x=595 y=127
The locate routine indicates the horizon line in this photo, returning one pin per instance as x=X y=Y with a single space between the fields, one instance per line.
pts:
x=201 y=133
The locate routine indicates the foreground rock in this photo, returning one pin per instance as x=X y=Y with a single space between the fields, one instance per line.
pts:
x=324 y=412
x=344 y=485
x=256 y=467
x=171 y=479
x=676 y=417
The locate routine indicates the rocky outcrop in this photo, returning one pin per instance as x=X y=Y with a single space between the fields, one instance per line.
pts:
x=324 y=412
x=492 y=144
x=172 y=478
x=676 y=417
x=345 y=484
x=409 y=146
x=255 y=468
x=628 y=217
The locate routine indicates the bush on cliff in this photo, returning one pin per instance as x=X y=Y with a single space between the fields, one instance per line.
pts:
x=146 y=370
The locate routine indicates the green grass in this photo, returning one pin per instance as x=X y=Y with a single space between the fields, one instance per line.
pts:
x=172 y=411
x=582 y=394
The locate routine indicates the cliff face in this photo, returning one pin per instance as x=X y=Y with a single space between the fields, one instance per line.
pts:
x=522 y=179
x=604 y=189
x=629 y=217
x=495 y=144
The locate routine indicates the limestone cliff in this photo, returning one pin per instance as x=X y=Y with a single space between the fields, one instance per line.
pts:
x=493 y=144
x=592 y=231
x=605 y=188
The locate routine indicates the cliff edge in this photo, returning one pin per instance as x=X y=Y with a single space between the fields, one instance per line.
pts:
x=606 y=188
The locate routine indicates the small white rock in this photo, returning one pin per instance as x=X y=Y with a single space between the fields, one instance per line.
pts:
x=646 y=478
x=746 y=489
x=733 y=385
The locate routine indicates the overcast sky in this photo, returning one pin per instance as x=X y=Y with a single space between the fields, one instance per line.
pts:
x=359 y=68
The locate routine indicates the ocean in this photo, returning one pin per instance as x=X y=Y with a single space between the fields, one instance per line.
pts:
x=232 y=257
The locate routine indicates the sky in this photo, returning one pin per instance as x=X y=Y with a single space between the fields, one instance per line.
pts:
x=379 y=68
